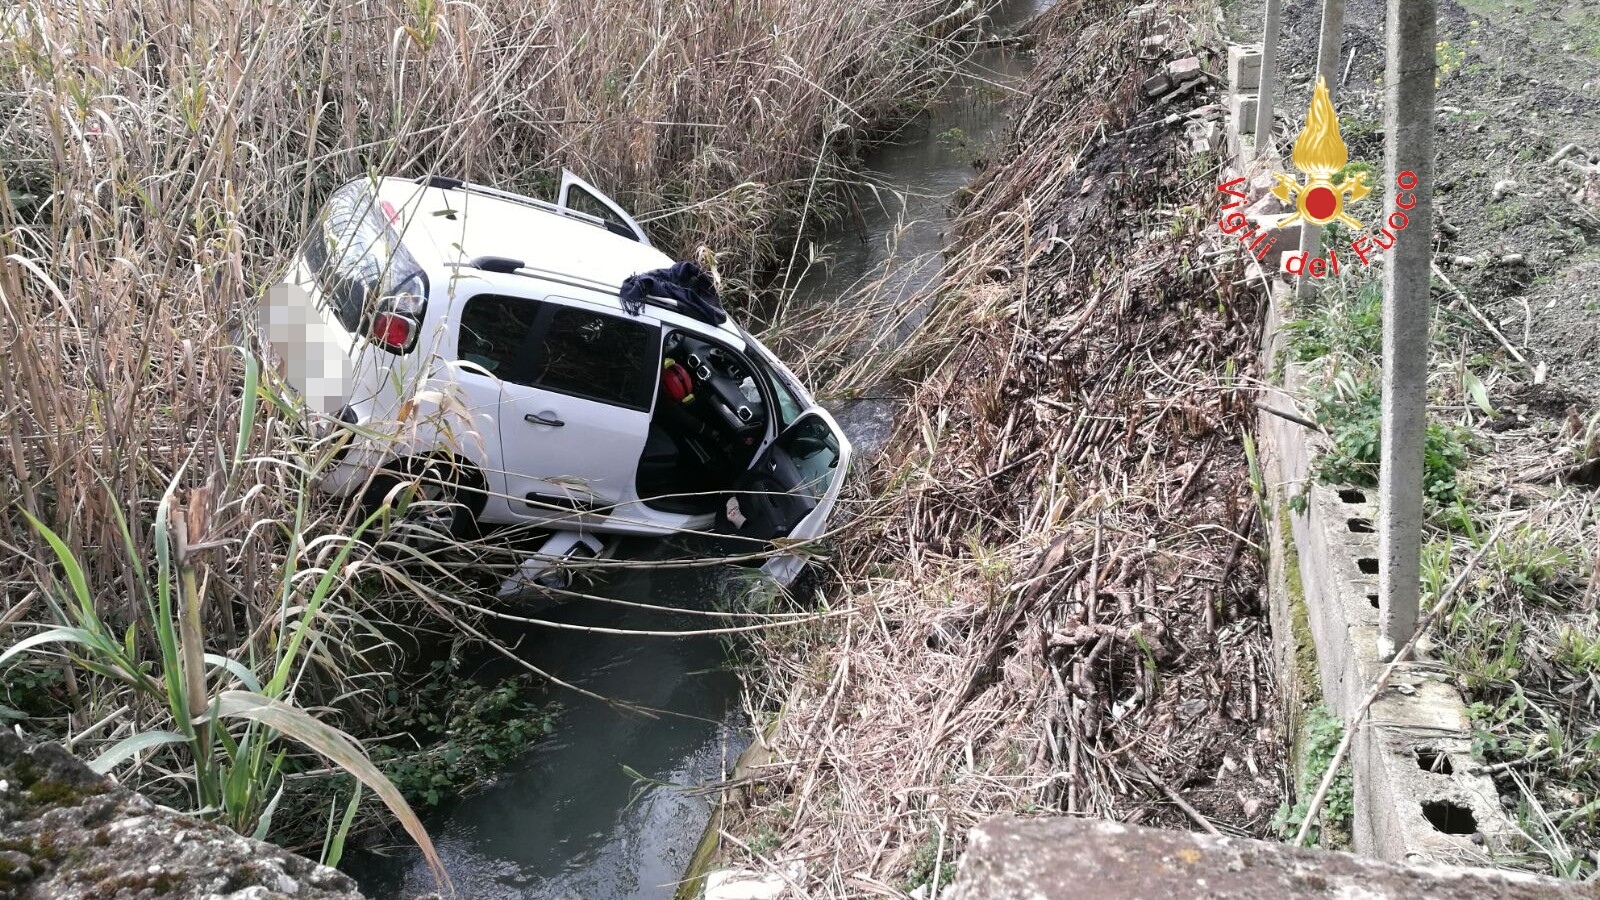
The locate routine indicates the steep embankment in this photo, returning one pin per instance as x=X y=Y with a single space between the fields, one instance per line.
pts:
x=1056 y=599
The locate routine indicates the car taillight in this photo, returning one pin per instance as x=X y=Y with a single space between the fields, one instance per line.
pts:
x=392 y=330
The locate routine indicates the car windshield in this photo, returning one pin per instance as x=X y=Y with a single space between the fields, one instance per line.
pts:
x=788 y=403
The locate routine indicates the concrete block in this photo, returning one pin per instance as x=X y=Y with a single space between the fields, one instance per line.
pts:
x=1156 y=85
x=1279 y=240
x=1416 y=797
x=1064 y=858
x=1244 y=67
x=1243 y=110
x=1182 y=71
x=1203 y=135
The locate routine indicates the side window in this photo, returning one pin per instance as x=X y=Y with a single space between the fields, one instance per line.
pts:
x=494 y=330
x=356 y=257
x=814 y=449
x=598 y=357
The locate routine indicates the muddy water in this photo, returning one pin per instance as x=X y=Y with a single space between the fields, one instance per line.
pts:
x=567 y=820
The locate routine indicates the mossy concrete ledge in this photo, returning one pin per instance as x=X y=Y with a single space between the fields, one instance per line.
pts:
x=1070 y=859
x=69 y=834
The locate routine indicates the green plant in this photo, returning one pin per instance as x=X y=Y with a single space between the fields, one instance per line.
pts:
x=1358 y=167
x=31 y=688
x=1351 y=411
x=1532 y=561
x=230 y=735
x=766 y=841
x=1338 y=324
x=1579 y=650
x=459 y=731
x=1448 y=58
x=1317 y=741
x=926 y=865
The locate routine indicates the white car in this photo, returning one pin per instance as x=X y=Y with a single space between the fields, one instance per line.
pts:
x=481 y=350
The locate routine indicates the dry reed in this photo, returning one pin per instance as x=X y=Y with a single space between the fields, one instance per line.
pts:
x=161 y=161
x=1058 y=602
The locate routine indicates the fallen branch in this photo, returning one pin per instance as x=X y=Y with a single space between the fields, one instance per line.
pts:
x=1482 y=319
x=1445 y=601
x=1172 y=795
x=1291 y=417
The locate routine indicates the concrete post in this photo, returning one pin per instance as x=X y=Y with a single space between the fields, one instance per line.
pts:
x=1328 y=45
x=1269 y=76
x=1408 y=162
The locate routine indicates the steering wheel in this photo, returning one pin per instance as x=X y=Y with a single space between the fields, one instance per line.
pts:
x=723 y=365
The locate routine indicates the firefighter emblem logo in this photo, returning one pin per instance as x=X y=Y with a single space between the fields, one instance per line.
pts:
x=1319 y=153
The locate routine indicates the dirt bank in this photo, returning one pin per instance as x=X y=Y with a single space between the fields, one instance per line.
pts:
x=1057 y=598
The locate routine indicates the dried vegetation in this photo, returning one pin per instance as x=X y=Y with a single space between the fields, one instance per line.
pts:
x=160 y=163
x=1057 y=601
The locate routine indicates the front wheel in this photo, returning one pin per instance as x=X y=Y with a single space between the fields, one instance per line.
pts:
x=429 y=506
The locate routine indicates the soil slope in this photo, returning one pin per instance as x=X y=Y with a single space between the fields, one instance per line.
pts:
x=1057 y=599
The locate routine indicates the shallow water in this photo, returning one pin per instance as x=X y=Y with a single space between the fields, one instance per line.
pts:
x=566 y=820
x=905 y=203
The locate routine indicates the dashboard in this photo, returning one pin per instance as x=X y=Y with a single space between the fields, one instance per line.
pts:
x=727 y=381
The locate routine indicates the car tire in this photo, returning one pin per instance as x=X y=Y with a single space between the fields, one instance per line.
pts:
x=435 y=509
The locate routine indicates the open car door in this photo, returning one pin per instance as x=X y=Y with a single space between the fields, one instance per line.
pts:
x=581 y=196
x=789 y=491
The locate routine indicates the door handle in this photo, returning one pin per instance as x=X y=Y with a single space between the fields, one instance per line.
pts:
x=536 y=419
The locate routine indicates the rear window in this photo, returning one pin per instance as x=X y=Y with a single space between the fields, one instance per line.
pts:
x=598 y=357
x=357 y=258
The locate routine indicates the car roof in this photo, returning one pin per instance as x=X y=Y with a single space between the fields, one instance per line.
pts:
x=459 y=225
x=446 y=227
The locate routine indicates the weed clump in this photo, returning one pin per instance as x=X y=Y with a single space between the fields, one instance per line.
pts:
x=1318 y=739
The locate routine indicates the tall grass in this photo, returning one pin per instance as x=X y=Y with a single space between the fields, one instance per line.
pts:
x=160 y=162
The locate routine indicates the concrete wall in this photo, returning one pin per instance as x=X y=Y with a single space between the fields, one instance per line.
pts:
x=1421 y=717
x=1411 y=753
x=1069 y=859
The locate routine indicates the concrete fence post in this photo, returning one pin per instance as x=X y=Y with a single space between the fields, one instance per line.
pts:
x=1269 y=76
x=1407 y=274
x=1328 y=45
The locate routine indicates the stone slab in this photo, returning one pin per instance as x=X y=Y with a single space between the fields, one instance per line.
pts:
x=70 y=834
x=1079 y=859
x=1183 y=71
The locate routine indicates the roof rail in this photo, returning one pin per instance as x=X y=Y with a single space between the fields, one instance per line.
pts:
x=509 y=266
x=456 y=184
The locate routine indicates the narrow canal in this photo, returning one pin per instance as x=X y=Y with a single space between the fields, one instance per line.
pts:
x=567 y=821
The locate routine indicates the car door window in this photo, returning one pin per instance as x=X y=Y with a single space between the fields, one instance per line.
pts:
x=586 y=203
x=494 y=331
x=788 y=403
x=814 y=449
x=598 y=357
